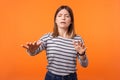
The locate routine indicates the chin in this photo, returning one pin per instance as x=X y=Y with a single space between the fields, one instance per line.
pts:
x=62 y=26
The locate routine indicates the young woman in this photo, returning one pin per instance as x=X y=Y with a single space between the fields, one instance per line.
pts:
x=63 y=46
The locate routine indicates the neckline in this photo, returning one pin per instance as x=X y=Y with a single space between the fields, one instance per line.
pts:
x=65 y=38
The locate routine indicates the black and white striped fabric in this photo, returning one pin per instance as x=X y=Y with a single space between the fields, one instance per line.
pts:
x=61 y=54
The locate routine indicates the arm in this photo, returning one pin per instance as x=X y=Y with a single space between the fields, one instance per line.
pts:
x=37 y=46
x=81 y=52
x=83 y=60
x=34 y=48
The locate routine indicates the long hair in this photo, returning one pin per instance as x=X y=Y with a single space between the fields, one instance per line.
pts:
x=71 y=31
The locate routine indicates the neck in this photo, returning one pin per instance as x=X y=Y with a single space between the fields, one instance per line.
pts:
x=63 y=32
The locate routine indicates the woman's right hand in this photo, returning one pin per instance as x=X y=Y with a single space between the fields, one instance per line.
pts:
x=31 y=47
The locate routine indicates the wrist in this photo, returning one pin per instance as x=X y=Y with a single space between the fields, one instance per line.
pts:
x=81 y=54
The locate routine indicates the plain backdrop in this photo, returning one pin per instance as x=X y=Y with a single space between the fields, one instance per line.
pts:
x=97 y=21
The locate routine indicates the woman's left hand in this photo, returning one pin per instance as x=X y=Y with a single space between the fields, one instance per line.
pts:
x=79 y=46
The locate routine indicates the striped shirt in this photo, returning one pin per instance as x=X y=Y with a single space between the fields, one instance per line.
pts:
x=61 y=54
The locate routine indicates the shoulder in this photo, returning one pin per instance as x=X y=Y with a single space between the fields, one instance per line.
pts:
x=78 y=37
x=46 y=36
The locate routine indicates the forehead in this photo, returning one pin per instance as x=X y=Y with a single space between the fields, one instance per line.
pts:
x=63 y=11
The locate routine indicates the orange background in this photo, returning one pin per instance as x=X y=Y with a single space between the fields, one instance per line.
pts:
x=97 y=21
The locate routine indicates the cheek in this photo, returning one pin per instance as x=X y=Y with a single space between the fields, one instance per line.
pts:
x=57 y=20
x=69 y=22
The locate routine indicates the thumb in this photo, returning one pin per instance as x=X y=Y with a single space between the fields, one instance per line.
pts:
x=39 y=42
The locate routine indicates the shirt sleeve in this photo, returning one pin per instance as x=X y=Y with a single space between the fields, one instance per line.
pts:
x=43 y=45
x=83 y=63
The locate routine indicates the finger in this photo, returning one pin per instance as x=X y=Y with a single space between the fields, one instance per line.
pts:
x=85 y=49
x=39 y=43
x=25 y=46
x=83 y=46
x=80 y=43
x=34 y=43
x=74 y=42
x=29 y=43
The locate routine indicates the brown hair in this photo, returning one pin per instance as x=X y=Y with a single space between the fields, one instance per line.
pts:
x=71 y=31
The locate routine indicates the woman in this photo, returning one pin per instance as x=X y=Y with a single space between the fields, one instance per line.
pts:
x=62 y=47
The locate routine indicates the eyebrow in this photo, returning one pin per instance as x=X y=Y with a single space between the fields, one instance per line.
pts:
x=62 y=14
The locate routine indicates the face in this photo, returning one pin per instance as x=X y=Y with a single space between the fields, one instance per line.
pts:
x=63 y=19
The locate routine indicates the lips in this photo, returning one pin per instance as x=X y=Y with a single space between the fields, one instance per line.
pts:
x=63 y=22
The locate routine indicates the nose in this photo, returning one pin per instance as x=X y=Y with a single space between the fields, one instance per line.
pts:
x=63 y=17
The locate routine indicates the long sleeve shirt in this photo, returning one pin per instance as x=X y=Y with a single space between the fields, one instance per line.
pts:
x=61 y=54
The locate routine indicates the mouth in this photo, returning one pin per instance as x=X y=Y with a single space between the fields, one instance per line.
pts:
x=63 y=22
